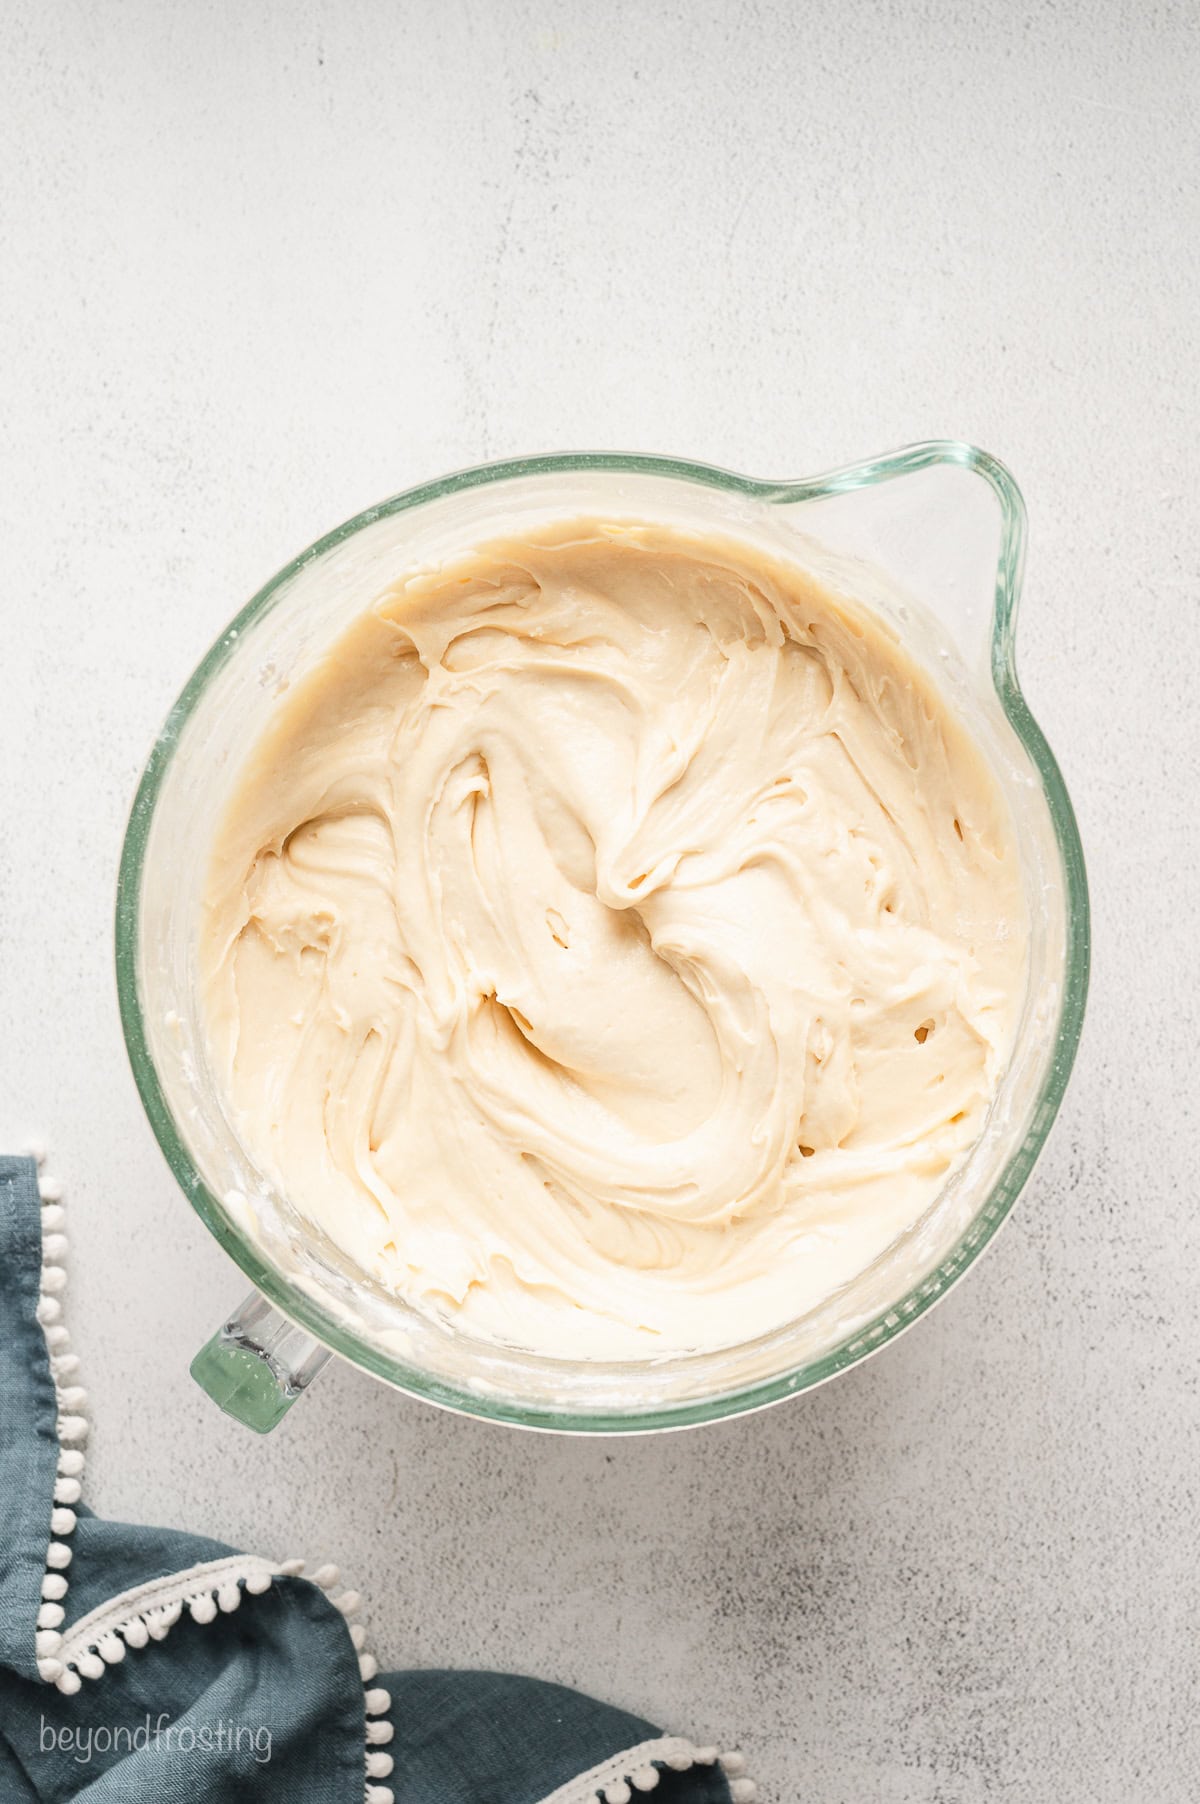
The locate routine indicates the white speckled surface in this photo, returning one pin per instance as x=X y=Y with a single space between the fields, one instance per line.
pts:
x=274 y=262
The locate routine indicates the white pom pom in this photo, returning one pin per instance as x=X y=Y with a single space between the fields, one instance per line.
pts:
x=743 y=1791
x=55 y=1247
x=58 y=1556
x=46 y=1643
x=54 y=1280
x=50 y=1189
x=56 y=1335
x=69 y=1682
x=618 y=1793
x=62 y=1521
x=379 y=1732
x=348 y=1602
x=157 y=1625
x=380 y=1794
x=50 y=1670
x=379 y=1765
x=228 y=1598
x=72 y=1399
x=733 y=1763
x=54 y=1587
x=49 y=1310
x=73 y=1428
x=50 y=1616
x=136 y=1633
x=358 y=1636
x=257 y=1583
x=54 y=1218
x=705 y=1756
x=291 y=1568
x=70 y=1462
x=679 y=1757
x=368 y=1666
x=67 y=1490
x=111 y=1649
x=90 y=1665
x=171 y=1613
x=202 y=1608
x=376 y=1702
x=325 y=1576
x=645 y=1779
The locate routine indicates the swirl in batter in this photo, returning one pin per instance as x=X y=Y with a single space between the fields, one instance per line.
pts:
x=614 y=942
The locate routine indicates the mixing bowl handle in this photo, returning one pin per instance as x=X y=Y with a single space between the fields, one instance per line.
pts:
x=258 y=1364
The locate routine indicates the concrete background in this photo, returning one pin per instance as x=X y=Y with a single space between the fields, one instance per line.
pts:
x=267 y=264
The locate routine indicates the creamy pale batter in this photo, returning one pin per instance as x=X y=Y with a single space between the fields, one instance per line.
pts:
x=614 y=943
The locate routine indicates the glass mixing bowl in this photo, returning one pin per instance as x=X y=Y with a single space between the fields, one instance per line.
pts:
x=932 y=537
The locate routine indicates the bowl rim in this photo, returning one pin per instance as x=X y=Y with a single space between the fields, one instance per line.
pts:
x=304 y=1309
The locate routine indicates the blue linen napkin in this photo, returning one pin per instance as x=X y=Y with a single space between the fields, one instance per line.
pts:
x=149 y=1666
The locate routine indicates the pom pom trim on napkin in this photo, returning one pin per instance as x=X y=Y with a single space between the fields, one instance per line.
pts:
x=637 y=1770
x=148 y=1612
